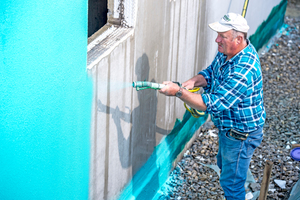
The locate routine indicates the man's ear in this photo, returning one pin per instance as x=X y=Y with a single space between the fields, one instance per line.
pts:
x=239 y=39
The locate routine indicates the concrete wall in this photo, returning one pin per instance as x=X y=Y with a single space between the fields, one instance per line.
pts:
x=170 y=41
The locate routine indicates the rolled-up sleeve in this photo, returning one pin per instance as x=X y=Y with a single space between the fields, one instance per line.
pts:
x=207 y=73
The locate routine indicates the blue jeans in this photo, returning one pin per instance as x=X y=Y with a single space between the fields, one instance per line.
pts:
x=233 y=159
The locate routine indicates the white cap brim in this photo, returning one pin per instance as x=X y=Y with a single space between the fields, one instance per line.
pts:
x=216 y=26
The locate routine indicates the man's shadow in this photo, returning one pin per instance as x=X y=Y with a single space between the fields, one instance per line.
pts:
x=138 y=147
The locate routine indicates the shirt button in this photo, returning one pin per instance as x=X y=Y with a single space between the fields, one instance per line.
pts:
x=221 y=68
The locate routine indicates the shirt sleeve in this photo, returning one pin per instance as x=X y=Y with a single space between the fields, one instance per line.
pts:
x=231 y=91
x=207 y=73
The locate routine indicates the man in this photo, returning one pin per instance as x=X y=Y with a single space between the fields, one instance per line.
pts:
x=234 y=98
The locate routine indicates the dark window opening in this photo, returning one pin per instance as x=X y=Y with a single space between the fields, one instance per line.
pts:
x=97 y=15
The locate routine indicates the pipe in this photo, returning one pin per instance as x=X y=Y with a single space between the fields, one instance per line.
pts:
x=142 y=85
x=245 y=8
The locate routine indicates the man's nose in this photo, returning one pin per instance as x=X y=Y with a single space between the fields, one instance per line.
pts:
x=218 y=39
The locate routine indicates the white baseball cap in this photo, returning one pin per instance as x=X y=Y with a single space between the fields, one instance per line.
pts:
x=230 y=21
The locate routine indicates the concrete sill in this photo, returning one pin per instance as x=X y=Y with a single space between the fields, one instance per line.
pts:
x=104 y=41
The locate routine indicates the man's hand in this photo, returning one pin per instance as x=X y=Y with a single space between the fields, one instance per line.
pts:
x=189 y=84
x=170 y=89
x=196 y=81
x=192 y=99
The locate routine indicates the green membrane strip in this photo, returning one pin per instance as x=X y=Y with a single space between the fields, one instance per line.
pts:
x=269 y=27
x=147 y=181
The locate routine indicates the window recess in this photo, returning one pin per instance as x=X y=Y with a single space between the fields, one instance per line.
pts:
x=106 y=33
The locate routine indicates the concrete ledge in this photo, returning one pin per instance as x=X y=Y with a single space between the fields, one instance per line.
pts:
x=105 y=43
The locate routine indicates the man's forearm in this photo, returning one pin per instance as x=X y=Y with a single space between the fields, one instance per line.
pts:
x=193 y=100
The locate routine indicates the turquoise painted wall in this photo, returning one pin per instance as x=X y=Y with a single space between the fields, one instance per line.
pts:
x=45 y=100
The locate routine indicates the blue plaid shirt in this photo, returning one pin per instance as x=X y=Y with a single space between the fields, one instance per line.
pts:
x=234 y=91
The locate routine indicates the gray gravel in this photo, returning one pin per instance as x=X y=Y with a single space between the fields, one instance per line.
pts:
x=281 y=76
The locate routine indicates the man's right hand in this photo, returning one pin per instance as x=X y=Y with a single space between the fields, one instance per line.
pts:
x=196 y=81
x=189 y=84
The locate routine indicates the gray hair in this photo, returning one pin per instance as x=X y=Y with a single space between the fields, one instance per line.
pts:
x=238 y=33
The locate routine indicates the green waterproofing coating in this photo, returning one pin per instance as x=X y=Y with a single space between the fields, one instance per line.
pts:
x=147 y=181
x=269 y=27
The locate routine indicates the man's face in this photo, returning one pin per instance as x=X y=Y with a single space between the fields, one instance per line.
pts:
x=226 y=43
